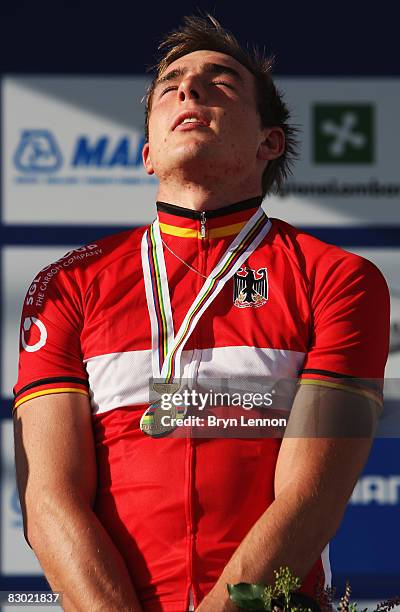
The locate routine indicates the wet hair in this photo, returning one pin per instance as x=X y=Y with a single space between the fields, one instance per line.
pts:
x=205 y=33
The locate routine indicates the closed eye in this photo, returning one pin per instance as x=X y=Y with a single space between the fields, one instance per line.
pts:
x=224 y=83
x=167 y=89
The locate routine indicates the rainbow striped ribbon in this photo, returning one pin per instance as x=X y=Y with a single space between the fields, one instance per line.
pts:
x=167 y=350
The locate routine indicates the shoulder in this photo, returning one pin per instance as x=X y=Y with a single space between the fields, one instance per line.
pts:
x=324 y=263
x=90 y=258
x=71 y=275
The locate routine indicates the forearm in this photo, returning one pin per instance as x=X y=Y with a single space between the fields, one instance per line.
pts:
x=292 y=532
x=314 y=478
x=79 y=559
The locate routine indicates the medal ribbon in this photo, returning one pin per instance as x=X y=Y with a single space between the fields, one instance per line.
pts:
x=167 y=350
x=158 y=301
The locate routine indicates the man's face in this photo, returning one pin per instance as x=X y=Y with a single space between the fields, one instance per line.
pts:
x=204 y=119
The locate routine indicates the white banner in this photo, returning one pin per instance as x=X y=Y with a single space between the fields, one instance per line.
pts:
x=348 y=171
x=72 y=152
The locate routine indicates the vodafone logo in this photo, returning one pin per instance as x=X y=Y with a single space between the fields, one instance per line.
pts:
x=26 y=326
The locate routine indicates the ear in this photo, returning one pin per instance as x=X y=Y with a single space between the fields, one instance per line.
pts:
x=273 y=144
x=146 y=159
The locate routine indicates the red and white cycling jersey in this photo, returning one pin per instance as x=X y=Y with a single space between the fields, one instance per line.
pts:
x=175 y=507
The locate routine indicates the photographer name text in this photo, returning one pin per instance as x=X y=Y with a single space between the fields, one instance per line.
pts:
x=213 y=421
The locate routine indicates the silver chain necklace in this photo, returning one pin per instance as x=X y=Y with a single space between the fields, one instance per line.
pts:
x=182 y=260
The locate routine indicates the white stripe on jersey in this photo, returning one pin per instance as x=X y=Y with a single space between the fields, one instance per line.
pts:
x=122 y=379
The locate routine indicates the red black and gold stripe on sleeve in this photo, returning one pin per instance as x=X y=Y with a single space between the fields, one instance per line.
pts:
x=48 y=386
x=369 y=388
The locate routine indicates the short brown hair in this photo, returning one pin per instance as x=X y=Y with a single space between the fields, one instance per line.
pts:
x=205 y=33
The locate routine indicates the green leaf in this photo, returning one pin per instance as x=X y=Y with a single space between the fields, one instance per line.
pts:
x=248 y=596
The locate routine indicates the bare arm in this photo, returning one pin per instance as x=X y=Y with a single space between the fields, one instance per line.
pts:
x=314 y=479
x=56 y=474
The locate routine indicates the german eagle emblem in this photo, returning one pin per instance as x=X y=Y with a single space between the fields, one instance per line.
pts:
x=250 y=289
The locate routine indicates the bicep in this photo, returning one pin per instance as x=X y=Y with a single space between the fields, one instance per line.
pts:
x=54 y=449
x=326 y=444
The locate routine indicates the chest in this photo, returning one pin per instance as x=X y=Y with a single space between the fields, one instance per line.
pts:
x=258 y=324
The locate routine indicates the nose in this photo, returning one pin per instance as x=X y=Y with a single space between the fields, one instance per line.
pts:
x=190 y=88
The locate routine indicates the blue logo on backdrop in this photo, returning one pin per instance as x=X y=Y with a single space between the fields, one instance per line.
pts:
x=102 y=154
x=377 y=489
x=98 y=160
x=37 y=151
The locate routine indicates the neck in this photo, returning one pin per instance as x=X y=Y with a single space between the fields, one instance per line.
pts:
x=203 y=198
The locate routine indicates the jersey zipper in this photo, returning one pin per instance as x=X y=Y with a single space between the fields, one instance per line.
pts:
x=202 y=245
x=203 y=224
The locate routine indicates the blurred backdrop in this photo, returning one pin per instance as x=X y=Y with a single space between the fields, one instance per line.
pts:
x=72 y=79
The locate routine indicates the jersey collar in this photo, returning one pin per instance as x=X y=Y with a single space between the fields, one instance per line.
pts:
x=186 y=223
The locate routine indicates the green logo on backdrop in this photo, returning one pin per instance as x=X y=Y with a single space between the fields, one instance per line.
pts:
x=343 y=133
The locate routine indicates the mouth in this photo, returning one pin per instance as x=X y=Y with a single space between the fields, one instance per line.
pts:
x=189 y=120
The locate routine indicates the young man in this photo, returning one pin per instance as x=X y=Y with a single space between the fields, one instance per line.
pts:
x=120 y=518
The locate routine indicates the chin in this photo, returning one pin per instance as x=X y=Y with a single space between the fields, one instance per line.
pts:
x=197 y=158
x=196 y=151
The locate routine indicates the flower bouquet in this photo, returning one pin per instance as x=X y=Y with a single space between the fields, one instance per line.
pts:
x=283 y=596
